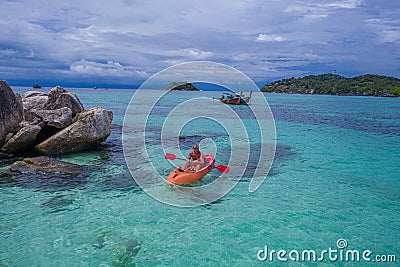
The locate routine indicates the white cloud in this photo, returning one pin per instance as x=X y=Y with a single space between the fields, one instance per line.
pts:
x=390 y=36
x=191 y=53
x=8 y=52
x=264 y=37
x=110 y=68
x=86 y=34
x=241 y=57
x=320 y=9
x=387 y=29
x=345 y=4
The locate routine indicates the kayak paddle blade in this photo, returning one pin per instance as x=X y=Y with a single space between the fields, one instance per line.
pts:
x=170 y=156
x=222 y=168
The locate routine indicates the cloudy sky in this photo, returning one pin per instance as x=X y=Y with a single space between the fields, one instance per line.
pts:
x=123 y=42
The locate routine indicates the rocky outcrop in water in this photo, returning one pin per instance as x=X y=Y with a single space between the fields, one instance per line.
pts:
x=24 y=139
x=49 y=124
x=90 y=128
x=45 y=165
x=11 y=112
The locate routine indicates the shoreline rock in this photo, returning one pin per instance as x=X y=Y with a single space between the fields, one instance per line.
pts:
x=90 y=128
x=11 y=111
x=43 y=164
x=24 y=139
x=50 y=124
x=37 y=126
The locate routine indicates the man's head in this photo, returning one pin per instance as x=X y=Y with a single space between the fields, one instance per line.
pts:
x=195 y=146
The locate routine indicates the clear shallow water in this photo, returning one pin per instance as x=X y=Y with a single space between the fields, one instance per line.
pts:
x=335 y=175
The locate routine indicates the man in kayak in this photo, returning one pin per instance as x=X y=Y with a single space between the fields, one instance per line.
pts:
x=197 y=160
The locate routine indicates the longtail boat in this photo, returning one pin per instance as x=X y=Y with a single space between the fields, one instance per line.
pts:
x=235 y=98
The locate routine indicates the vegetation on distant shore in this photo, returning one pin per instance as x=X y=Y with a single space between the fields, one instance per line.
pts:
x=333 y=84
x=182 y=86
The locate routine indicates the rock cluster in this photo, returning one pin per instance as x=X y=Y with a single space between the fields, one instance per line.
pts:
x=49 y=124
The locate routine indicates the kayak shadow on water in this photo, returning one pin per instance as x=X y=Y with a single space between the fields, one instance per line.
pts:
x=283 y=153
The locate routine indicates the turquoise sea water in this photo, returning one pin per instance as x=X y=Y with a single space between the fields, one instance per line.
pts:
x=335 y=176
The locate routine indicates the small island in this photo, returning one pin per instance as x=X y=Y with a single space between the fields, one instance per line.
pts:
x=333 y=84
x=182 y=86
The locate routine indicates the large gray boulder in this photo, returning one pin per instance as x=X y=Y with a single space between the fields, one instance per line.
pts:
x=32 y=93
x=90 y=128
x=55 y=92
x=11 y=111
x=23 y=140
x=44 y=164
x=34 y=100
x=58 y=118
x=59 y=98
x=53 y=108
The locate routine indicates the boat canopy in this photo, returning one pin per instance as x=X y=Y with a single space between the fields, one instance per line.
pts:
x=230 y=93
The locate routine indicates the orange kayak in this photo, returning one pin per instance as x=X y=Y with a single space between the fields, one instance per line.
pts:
x=179 y=177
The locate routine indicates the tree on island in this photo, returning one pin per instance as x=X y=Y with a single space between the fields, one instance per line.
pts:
x=333 y=84
x=182 y=86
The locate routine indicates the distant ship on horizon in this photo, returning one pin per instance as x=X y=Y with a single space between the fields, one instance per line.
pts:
x=37 y=86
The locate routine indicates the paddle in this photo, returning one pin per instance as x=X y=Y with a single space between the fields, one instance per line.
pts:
x=220 y=168
x=172 y=156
